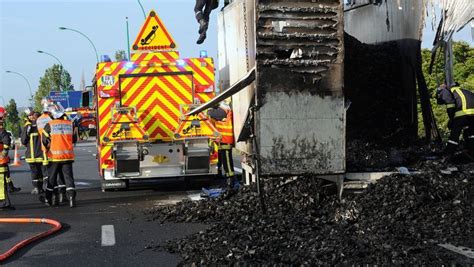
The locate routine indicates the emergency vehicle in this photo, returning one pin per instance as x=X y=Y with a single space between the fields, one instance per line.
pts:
x=142 y=130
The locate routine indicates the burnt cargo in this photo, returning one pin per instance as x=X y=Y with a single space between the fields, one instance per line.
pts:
x=297 y=49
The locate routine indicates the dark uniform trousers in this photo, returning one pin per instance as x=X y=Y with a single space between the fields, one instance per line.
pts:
x=37 y=174
x=464 y=124
x=55 y=170
x=203 y=8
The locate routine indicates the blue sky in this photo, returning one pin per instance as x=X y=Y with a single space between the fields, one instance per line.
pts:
x=30 y=25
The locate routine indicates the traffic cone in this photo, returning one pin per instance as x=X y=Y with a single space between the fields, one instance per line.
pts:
x=17 y=161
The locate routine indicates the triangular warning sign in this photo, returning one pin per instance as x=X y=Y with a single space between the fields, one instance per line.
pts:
x=154 y=36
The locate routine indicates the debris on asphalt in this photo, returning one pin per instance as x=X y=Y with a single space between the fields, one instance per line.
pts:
x=401 y=219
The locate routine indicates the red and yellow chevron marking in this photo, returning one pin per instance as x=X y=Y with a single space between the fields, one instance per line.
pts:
x=157 y=100
x=105 y=154
x=161 y=96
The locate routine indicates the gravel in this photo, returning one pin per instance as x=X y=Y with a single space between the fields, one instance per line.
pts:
x=401 y=219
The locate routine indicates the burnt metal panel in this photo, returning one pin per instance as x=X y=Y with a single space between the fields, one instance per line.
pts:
x=300 y=123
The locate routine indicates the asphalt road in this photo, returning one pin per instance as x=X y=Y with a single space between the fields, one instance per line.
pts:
x=127 y=235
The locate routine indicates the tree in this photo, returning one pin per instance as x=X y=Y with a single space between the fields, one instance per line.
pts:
x=12 y=122
x=55 y=78
x=120 y=55
x=463 y=74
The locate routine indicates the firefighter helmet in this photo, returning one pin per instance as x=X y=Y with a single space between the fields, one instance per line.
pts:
x=56 y=113
x=3 y=112
x=29 y=111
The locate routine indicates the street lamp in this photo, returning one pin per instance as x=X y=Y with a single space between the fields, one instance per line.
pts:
x=60 y=72
x=60 y=63
x=93 y=46
x=143 y=10
x=29 y=86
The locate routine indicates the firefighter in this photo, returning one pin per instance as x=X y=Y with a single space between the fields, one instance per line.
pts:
x=31 y=139
x=222 y=118
x=4 y=160
x=58 y=139
x=460 y=108
x=7 y=140
x=41 y=123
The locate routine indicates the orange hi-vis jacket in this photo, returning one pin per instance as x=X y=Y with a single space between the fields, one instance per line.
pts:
x=41 y=123
x=225 y=129
x=58 y=139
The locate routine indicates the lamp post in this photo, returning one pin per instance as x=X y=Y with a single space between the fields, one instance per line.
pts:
x=90 y=41
x=29 y=86
x=143 y=10
x=60 y=73
x=60 y=63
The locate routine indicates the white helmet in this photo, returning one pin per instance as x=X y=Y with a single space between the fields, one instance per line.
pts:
x=28 y=111
x=57 y=113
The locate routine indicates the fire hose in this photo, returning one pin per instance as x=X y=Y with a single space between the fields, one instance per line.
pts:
x=56 y=227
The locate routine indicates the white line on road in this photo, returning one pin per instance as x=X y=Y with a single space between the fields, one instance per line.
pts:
x=108 y=236
x=239 y=170
x=468 y=252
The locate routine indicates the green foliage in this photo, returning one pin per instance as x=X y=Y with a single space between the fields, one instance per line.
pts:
x=120 y=55
x=55 y=78
x=12 y=122
x=463 y=74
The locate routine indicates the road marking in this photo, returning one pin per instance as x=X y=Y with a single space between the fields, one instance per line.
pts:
x=94 y=155
x=239 y=170
x=468 y=252
x=108 y=236
x=83 y=183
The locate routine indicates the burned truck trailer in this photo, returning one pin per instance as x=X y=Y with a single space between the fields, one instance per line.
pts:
x=314 y=61
x=293 y=115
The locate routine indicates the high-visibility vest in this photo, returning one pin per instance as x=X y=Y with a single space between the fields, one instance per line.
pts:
x=225 y=129
x=61 y=146
x=464 y=101
x=3 y=159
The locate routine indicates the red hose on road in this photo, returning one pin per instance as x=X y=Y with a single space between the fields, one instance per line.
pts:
x=57 y=226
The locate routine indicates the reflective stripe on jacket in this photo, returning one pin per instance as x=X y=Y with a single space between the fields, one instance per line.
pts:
x=59 y=140
x=225 y=129
x=41 y=123
x=3 y=158
x=464 y=101
x=30 y=138
x=5 y=140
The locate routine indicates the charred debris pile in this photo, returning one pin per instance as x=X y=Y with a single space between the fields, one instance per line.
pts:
x=380 y=90
x=401 y=219
x=379 y=82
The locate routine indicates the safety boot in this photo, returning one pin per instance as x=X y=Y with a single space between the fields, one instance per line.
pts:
x=47 y=198
x=201 y=38
x=62 y=197
x=203 y=24
x=12 y=189
x=55 y=199
x=72 y=198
